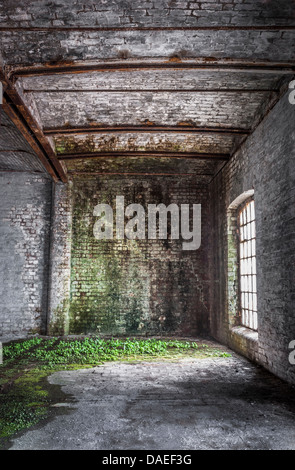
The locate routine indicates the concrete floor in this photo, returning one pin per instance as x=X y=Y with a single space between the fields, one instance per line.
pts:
x=218 y=403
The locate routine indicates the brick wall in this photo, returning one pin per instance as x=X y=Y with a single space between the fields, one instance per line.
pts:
x=146 y=13
x=24 y=241
x=264 y=163
x=130 y=286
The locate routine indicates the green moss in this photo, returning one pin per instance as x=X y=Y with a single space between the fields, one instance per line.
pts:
x=23 y=404
x=26 y=395
x=59 y=321
x=69 y=145
x=105 y=286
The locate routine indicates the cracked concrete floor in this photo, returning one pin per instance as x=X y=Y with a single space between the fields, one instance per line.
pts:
x=218 y=403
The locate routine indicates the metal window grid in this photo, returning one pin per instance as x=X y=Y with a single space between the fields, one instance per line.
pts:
x=247 y=265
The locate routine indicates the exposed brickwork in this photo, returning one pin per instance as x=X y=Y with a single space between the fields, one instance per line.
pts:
x=60 y=260
x=24 y=240
x=148 y=13
x=203 y=169
x=138 y=286
x=265 y=164
x=150 y=286
x=32 y=46
x=150 y=142
x=149 y=80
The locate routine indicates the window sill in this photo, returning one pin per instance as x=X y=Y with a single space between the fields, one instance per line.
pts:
x=247 y=333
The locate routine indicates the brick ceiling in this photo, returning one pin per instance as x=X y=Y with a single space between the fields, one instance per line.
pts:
x=138 y=87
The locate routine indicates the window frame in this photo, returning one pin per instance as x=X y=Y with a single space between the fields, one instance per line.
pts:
x=253 y=312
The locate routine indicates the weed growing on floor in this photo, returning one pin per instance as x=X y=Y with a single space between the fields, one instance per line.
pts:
x=24 y=393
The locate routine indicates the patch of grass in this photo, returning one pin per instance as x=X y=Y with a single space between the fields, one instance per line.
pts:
x=23 y=404
x=24 y=398
x=94 y=350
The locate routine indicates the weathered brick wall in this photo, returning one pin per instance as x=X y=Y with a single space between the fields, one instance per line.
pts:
x=60 y=259
x=264 y=163
x=24 y=240
x=145 y=29
x=131 y=286
x=118 y=13
x=85 y=45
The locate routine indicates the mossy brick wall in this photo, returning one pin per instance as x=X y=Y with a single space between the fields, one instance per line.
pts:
x=132 y=286
x=264 y=163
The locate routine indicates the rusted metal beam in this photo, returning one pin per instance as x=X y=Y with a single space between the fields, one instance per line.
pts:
x=212 y=64
x=73 y=172
x=149 y=28
x=27 y=134
x=156 y=90
x=143 y=128
x=145 y=154
x=16 y=109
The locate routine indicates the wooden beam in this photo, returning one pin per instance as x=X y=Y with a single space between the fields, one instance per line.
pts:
x=143 y=154
x=16 y=109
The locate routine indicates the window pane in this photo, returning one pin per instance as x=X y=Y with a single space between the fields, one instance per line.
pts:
x=247 y=251
x=248 y=213
x=255 y=326
x=254 y=283
x=241 y=250
x=250 y=302
x=241 y=218
x=253 y=265
x=252 y=210
x=255 y=302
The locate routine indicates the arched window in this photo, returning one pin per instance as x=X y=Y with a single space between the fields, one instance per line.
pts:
x=247 y=264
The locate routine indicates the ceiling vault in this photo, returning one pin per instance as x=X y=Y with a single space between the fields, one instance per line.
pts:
x=139 y=88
